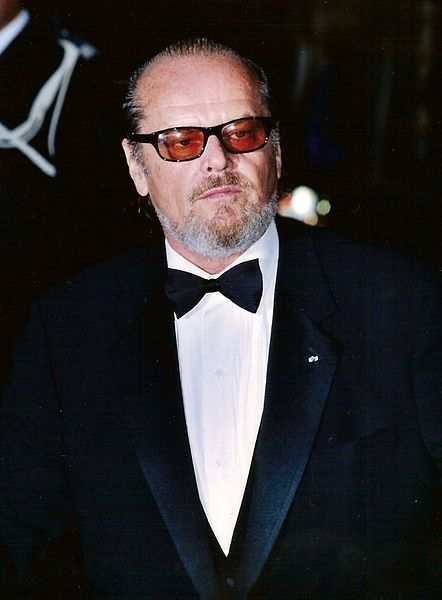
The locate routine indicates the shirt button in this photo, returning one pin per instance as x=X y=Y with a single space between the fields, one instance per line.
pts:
x=230 y=582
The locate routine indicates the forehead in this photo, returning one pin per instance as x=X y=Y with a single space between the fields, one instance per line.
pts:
x=197 y=91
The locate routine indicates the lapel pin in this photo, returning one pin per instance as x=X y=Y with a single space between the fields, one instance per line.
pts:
x=313 y=358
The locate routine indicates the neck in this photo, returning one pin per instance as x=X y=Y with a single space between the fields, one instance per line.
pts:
x=206 y=263
x=8 y=11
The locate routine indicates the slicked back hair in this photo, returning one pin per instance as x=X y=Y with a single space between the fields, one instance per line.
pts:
x=188 y=48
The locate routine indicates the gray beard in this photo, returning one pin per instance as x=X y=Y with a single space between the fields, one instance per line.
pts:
x=213 y=239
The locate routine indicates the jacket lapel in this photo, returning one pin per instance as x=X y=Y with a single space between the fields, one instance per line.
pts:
x=153 y=408
x=301 y=366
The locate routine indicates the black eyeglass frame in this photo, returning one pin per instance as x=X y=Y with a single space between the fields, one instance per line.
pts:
x=216 y=130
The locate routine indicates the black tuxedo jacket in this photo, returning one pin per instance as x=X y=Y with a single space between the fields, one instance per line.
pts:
x=342 y=496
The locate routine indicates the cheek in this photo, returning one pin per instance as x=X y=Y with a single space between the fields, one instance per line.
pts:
x=159 y=181
x=261 y=167
x=265 y=178
x=168 y=191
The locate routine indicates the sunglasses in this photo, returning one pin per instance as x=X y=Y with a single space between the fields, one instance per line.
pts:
x=179 y=144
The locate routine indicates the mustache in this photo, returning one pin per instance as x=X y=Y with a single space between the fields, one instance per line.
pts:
x=215 y=181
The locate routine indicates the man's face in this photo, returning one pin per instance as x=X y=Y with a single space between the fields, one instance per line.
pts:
x=220 y=202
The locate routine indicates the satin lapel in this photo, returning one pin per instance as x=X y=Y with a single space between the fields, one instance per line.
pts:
x=153 y=409
x=302 y=363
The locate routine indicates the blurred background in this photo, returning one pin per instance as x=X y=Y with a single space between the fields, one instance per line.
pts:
x=358 y=96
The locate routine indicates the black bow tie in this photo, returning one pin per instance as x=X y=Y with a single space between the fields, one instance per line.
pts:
x=242 y=284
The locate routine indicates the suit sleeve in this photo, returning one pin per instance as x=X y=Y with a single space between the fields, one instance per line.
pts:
x=33 y=506
x=428 y=369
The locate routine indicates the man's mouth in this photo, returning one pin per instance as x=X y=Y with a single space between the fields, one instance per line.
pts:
x=220 y=192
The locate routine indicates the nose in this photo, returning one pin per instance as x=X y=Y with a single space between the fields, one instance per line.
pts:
x=215 y=156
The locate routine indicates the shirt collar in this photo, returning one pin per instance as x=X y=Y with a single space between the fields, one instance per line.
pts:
x=266 y=250
x=13 y=29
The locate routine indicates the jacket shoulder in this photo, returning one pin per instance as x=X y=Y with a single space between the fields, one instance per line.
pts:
x=98 y=290
x=359 y=271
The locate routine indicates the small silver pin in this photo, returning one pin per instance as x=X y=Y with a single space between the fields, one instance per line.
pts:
x=313 y=358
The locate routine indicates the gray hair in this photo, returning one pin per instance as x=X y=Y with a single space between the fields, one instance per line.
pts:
x=186 y=48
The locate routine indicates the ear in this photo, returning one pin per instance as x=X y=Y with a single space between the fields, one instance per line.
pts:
x=278 y=159
x=136 y=169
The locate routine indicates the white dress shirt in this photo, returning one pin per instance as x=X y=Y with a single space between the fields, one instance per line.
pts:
x=223 y=352
x=10 y=31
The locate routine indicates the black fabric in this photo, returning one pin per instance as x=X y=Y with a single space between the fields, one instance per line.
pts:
x=242 y=284
x=228 y=567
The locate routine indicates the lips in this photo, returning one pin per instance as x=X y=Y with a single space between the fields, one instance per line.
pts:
x=222 y=190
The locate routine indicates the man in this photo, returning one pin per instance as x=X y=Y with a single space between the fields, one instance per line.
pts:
x=243 y=410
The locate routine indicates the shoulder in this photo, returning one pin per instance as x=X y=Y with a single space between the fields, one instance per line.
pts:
x=51 y=32
x=97 y=292
x=359 y=271
x=85 y=49
x=47 y=36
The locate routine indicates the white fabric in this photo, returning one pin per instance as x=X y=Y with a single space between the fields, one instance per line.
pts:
x=223 y=351
x=9 y=32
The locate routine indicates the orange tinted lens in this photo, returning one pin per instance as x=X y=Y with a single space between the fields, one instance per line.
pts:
x=244 y=136
x=181 y=143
